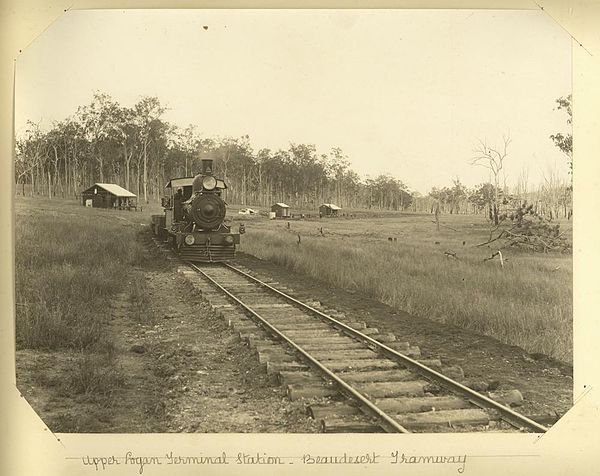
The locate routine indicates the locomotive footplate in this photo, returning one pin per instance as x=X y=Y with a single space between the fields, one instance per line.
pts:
x=206 y=246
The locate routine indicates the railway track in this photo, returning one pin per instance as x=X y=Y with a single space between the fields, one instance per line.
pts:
x=355 y=379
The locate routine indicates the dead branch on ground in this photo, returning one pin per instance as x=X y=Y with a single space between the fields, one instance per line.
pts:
x=497 y=253
x=445 y=226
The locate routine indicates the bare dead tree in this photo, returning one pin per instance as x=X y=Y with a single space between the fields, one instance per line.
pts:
x=492 y=159
x=555 y=194
x=521 y=189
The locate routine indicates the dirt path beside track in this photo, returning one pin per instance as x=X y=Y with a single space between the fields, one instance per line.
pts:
x=181 y=370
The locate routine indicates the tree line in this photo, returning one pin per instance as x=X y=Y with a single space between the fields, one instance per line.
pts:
x=552 y=199
x=138 y=149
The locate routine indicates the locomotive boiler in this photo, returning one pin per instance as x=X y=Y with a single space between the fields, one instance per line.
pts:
x=194 y=218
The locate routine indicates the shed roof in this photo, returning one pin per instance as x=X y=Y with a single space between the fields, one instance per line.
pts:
x=282 y=205
x=114 y=189
x=332 y=206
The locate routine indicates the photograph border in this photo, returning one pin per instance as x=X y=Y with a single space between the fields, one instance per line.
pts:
x=31 y=448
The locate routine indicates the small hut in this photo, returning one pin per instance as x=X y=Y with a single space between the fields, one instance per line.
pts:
x=329 y=210
x=281 y=210
x=108 y=195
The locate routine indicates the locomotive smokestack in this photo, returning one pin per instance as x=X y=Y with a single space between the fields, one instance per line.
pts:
x=207 y=166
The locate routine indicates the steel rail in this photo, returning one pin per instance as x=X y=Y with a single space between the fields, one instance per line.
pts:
x=388 y=423
x=482 y=401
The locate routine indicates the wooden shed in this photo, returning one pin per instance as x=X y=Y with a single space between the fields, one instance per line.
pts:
x=108 y=195
x=329 y=210
x=281 y=210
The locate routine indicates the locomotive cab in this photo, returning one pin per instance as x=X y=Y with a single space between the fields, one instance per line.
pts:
x=194 y=217
x=176 y=192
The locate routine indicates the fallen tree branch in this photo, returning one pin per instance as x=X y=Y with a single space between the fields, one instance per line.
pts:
x=450 y=254
x=497 y=253
x=493 y=239
x=529 y=230
x=532 y=240
x=445 y=226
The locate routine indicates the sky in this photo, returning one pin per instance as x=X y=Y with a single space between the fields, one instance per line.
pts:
x=409 y=93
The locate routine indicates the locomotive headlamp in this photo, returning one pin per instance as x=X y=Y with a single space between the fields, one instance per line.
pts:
x=229 y=240
x=189 y=240
x=209 y=182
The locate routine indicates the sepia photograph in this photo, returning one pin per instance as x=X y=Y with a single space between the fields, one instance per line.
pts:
x=295 y=222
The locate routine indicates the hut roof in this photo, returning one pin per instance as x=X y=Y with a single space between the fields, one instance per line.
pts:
x=114 y=189
x=282 y=205
x=332 y=206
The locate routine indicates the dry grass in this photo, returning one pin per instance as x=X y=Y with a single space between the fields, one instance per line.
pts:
x=70 y=259
x=95 y=375
x=527 y=303
x=66 y=267
x=139 y=300
x=69 y=263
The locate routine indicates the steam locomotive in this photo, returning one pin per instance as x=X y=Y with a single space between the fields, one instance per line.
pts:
x=194 y=215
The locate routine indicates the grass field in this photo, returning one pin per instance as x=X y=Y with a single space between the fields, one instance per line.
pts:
x=527 y=302
x=69 y=262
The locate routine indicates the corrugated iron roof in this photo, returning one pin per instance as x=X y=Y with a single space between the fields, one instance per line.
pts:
x=114 y=189
x=282 y=205
x=332 y=206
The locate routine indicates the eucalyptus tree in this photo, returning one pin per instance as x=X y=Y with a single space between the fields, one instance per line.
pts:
x=125 y=134
x=336 y=167
x=74 y=148
x=391 y=193
x=262 y=159
x=158 y=151
x=275 y=175
x=235 y=161
x=305 y=172
x=242 y=162
x=99 y=121
x=56 y=141
x=31 y=151
x=64 y=143
x=147 y=112
x=351 y=186
x=184 y=149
